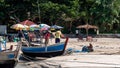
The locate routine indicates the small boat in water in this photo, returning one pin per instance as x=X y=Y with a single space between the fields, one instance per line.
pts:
x=49 y=51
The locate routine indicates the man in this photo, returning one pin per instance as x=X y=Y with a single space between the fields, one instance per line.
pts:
x=58 y=35
x=77 y=32
x=47 y=36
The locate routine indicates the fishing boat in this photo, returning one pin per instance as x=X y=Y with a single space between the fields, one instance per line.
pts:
x=7 y=60
x=49 y=51
x=8 y=57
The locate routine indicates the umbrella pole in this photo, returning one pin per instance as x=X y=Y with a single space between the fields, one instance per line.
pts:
x=24 y=37
x=86 y=32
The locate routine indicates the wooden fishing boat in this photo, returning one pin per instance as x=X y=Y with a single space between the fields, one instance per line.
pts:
x=49 y=51
x=9 y=59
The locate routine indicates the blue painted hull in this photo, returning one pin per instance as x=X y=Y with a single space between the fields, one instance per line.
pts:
x=7 y=60
x=50 y=51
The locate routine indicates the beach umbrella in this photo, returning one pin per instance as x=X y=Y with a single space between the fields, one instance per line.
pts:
x=44 y=26
x=42 y=29
x=19 y=27
x=31 y=25
x=34 y=26
x=87 y=27
x=56 y=27
x=27 y=22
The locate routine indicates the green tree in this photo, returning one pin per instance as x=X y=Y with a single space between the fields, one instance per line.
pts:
x=104 y=13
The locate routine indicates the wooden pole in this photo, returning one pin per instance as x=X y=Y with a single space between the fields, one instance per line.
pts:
x=65 y=43
x=87 y=32
x=25 y=38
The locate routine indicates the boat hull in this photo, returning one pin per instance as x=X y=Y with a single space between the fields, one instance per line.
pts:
x=9 y=58
x=49 y=51
x=8 y=63
x=44 y=54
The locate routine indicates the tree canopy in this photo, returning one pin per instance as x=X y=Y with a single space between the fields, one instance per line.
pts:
x=68 y=13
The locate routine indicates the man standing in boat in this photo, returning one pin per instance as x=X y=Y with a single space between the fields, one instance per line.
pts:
x=47 y=37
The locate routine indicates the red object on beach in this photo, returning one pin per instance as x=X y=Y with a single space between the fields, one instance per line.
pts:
x=27 y=22
x=89 y=38
x=65 y=43
x=11 y=47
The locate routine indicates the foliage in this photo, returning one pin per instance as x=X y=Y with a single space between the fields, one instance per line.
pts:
x=67 y=13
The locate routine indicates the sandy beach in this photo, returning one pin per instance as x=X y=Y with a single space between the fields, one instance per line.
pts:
x=105 y=51
x=102 y=46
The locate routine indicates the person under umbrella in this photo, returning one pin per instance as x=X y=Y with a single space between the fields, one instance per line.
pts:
x=58 y=35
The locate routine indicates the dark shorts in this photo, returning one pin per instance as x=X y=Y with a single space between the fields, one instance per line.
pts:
x=57 y=40
x=77 y=35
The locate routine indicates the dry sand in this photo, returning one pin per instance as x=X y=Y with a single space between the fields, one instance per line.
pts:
x=101 y=46
x=106 y=54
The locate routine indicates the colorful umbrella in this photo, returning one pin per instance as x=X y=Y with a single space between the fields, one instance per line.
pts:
x=34 y=26
x=27 y=22
x=19 y=27
x=56 y=27
x=42 y=29
x=44 y=26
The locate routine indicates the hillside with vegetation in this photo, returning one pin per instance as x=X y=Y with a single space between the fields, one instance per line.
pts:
x=67 y=13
